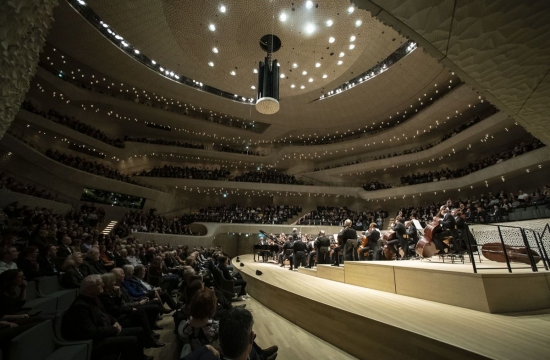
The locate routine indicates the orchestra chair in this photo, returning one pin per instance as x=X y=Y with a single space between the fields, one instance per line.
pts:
x=39 y=343
x=350 y=250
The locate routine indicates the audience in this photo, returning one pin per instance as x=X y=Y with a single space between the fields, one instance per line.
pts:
x=186 y=172
x=268 y=214
x=10 y=183
x=327 y=215
x=164 y=142
x=268 y=176
x=72 y=123
x=375 y=185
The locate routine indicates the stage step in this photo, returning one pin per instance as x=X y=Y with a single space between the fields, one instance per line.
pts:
x=334 y=273
x=308 y=271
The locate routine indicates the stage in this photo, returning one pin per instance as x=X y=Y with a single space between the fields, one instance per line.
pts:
x=361 y=308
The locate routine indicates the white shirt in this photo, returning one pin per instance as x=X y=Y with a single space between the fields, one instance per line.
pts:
x=5 y=266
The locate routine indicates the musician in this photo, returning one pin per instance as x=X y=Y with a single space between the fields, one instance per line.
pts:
x=411 y=231
x=299 y=256
x=449 y=223
x=311 y=251
x=283 y=256
x=295 y=235
x=263 y=242
x=347 y=233
x=402 y=237
x=374 y=243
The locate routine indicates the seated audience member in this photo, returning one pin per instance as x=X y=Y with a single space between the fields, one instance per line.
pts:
x=132 y=258
x=65 y=249
x=46 y=261
x=12 y=298
x=156 y=269
x=123 y=259
x=135 y=301
x=28 y=264
x=87 y=319
x=107 y=259
x=200 y=329
x=72 y=276
x=135 y=286
x=128 y=316
x=237 y=280
x=236 y=337
x=8 y=256
x=206 y=352
x=92 y=263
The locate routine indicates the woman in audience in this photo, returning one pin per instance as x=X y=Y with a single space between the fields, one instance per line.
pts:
x=200 y=329
x=156 y=269
x=128 y=315
x=136 y=287
x=72 y=276
x=238 y=281
x=28 y=264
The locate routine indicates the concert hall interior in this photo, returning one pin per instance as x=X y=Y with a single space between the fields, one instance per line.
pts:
x=165 y=161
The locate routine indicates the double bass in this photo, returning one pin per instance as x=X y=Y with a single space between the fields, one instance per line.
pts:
x=493 y=251
x=425 y=247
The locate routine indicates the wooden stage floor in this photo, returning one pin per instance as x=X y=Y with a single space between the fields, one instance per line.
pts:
x=371 y=324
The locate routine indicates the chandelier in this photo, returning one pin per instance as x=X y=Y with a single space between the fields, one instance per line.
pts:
x=267 y=101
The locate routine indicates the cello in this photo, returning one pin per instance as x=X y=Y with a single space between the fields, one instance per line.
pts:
x=425 y=247
x=364 y=242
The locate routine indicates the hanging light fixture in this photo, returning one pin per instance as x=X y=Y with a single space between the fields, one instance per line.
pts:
x=268 y=77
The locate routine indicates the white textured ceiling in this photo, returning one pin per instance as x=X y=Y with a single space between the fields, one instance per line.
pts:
x=500 y=46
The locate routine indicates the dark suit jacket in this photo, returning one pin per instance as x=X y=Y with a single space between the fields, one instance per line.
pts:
x=63 y=252
x=28 y=268
x=299 y=245
x=91 y=267
x=83 y=320
x=225 y=272
x=347 y=234
x=72 y=278
x=113 y=305
x=47 y=267
x=322 y=241
x=400 y=230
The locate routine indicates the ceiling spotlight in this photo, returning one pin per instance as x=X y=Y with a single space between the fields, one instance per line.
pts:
x=329 y=23
x=222 y=8
x=318 y=65
x=310 y=28
x=136 y=51
x=310 y=80
x=255 y=71
x=292 y=86
x=253 y=87
x=352 y=38
x=351 y=9
x=304 y=72
x=211 y=63
x=309 y=4
x=283 y=17
x=233 y=73
x=302 y=87
x=153 y=62
x=341 y=54
x=331 y=39
x=325 y=76
x=282 y=76
x=212 y=27
x=352 y=46
x=215 y=50
x=358 y=23
x=340 y=62
x=295 y=65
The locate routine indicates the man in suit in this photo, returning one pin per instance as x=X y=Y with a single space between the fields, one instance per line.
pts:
x=299 y=248
x=65 y=248
x=449 y=223
x=322 y=248
x=46 y=261
x=263 y=242
x=347 y=233
x=92 y=264
x=374 y=243
x=286 y=246
x=402 y=236
x=87 y=319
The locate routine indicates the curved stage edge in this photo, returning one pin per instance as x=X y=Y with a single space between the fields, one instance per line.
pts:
x=370 y=323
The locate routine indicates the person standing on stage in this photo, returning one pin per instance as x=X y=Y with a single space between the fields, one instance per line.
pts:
x=299 y=247
x=287 y=246
x=347 y=233
x=401 y=232
x=449 y=223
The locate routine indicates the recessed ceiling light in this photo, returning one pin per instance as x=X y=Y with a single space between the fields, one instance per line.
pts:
x=310 y=28
x=222 y=8
x=282 y=76
x=340 y=62
x=318 y=65
x=302 y=87
x=309 y=4
x=352 y=46
x=255 y=71
x=351 y=9
x=283 y=17
x=358 y=23
x=342 y=54
x=329 y=23
x=136 y=51
x=304 y=72
x=325 y=76
x=253 y=87
x=212 y=27
x=233 y=73
x=292 y=86
x=352 y=38
x=153 y=62
x=331 y=39
x=215 y=50
x=295 y=65
x=211 y=63
x=310 y=80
